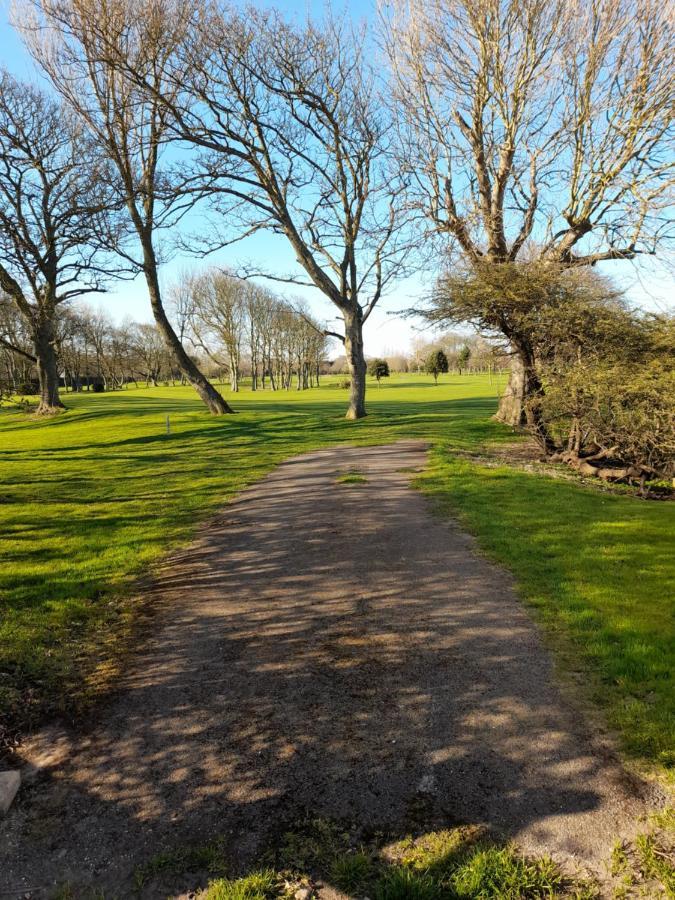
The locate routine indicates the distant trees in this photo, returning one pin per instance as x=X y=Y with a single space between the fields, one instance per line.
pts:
x=234 y=321
x=17 y=362
x=463 y=357
x=378 y=369
x=93 y=350
x=235 y=328
x=436 y=364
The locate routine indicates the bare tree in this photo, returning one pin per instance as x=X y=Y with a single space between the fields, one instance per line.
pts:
x=293 y=139
x=218 y=320
x=56 y=218
x=90 y=51
x=150 y=350
x=17 y=363
x=537 y=127
x=181 y=303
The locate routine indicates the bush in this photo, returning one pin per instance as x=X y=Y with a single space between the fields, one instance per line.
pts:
x=618 y=405
x=378 y=368
x=436 y=364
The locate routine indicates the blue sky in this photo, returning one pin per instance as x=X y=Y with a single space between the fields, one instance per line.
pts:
x=649 y=285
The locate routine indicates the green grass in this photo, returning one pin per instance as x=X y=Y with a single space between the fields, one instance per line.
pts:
x=454 y=863
x=352 y=477
x=598 y=570
x=457 y=864
x=208 y=858
x=256 y=886
x=91 y=499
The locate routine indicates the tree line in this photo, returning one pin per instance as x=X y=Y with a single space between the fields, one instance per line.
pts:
x=231 y=327
x=491 y=135
x=463 y=353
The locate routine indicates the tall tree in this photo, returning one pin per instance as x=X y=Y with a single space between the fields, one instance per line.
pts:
x=56 y=218
x=218 y=320
x=95 y=54
x=294 y=139
x=538 y=128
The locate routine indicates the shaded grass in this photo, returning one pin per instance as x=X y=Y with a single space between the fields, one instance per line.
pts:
x=453 y=864
x=597 y=570
x=209 y=858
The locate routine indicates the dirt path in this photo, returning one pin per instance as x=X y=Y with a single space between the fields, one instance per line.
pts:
x=332 y=648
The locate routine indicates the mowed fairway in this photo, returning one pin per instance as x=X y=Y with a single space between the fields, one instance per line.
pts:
x=89 y=500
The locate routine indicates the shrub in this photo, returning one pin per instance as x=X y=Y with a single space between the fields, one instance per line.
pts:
x=615 y=401
x=436 y=363
x=378 y=368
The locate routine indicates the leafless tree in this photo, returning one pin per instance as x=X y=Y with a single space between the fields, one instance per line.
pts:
x=56 y=218
x=17 y=362
x=94 y=55
x=537 y=127
x=234 y=321
x=218 y=320
x=180 y=304
x=151 y=359
x=293 y=138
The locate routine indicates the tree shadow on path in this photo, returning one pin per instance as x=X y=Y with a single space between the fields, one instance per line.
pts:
x=332 y=648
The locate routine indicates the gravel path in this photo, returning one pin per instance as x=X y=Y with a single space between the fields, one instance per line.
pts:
x=325 y=647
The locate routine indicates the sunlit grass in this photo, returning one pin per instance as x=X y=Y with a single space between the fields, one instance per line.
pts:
x=597 y=568
x=458 y=864
x=92 y=498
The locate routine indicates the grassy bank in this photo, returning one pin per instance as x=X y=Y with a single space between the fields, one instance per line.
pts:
x=598 y=570
x=90 y=499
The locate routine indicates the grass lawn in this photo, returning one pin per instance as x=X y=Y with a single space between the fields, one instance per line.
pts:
x=91 y=498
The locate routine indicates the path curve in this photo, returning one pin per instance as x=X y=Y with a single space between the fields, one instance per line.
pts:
x=326 y=647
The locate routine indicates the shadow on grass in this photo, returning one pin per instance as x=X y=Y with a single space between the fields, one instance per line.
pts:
x=449 y=864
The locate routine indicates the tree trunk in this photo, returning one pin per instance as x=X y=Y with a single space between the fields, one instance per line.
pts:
x=206 y=391
x=521 y=403
x=511 y=409
x=48 y=373
x=356 y=362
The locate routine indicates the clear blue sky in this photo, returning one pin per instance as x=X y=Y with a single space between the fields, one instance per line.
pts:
x=650 y=285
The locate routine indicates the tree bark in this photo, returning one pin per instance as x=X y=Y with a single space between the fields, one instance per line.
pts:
x=511 y=409
x=356 y=363
x=520 y=404
x=215 y=403
x=47 y=366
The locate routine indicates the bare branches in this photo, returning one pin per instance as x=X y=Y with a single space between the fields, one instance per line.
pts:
x=58 y=219
x=541 y=120
x=294 y=138
x=109 y=63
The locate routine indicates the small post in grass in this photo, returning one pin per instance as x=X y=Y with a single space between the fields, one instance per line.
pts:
x=168 y=426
